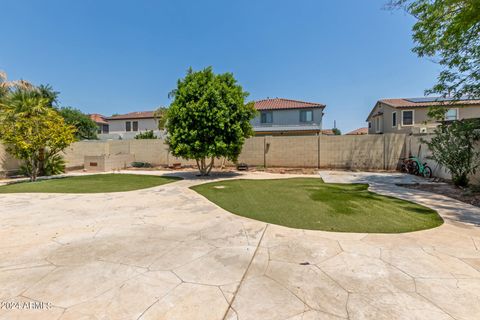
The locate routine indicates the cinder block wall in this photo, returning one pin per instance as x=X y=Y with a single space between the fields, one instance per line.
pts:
x=375 y=152
x=8 y=164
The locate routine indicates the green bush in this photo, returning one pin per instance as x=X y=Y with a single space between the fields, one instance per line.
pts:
x=146 y=135
x=454 y=147
x=139 y=164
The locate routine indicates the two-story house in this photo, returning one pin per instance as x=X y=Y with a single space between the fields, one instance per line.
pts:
x=127 y=126
x=287 y=117
x=410 y=115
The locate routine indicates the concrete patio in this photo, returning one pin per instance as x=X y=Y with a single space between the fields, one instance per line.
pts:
x=168 y=253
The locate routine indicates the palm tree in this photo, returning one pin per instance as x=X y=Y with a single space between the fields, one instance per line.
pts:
x=6 y=85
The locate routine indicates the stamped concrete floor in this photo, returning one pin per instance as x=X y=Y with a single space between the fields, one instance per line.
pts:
x=168 y=253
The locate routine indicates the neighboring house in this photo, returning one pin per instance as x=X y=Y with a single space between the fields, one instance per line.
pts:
x=410 y=115
x=127 y=126
x=102 y=124
x=358 y=132
x=287 y=117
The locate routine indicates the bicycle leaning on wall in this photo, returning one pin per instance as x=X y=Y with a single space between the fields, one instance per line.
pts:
x=413 y=165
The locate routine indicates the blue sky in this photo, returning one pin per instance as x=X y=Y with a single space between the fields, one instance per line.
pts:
x=121 y=56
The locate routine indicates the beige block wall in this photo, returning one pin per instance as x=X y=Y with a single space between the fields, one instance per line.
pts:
x=292 y=151
x=8 y=164
x=345 y=152
x=74 y=155
x=252 y=151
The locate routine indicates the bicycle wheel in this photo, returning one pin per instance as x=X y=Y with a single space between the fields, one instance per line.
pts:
x=427 y=172
x=414 y=169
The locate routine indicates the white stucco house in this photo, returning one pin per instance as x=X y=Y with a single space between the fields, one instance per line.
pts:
x=127 y=126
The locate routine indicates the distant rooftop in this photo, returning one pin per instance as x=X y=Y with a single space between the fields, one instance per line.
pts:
x=357 y=132
x=97 y=118
x=282 y=104
x=133 y=115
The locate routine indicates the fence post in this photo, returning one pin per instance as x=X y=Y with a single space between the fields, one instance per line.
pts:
x=318 y=151
x=264 y=152
x=384 y=153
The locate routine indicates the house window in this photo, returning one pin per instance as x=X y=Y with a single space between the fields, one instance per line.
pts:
x=128 y=126
x=407 y=118
x=452 y=114
x=105 y=128
x=394 y=119
x=306 y=115
x=266 y=117
x=135 y=125
x=369 y=125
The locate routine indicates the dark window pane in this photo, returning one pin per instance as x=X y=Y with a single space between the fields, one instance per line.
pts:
x=128 y=126
x=394 y=119
x=135 y=125
x=266 y=117
x=407 y=118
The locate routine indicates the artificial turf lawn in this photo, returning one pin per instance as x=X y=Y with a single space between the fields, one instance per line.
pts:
x=89 y=184
x=309 y=203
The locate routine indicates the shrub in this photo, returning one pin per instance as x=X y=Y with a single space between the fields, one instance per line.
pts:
x=146 y=135
x=453 y=147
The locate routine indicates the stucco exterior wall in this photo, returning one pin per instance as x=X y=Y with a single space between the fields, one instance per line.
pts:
x=420 y=118
x=118 y=126
x=288 y=118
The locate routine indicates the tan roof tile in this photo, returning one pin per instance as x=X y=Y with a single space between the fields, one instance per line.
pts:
x=133 y=115
x=359 y=131
x=281 y=104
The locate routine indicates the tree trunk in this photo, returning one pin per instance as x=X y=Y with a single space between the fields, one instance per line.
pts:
x=41 y=162
x=203 y=167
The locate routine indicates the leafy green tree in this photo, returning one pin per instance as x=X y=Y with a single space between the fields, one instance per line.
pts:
x=448 y=31
x=161 y=115
x=336 y=131
x=146 y=135
x=33 y=131
x=208 y=118
x=86 y=128
x=453 y=147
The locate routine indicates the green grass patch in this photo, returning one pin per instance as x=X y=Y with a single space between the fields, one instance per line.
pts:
x=95 y=183
x=309 y=203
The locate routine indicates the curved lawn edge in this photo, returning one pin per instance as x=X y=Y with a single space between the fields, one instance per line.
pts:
x=311 y=204
x=90 y=184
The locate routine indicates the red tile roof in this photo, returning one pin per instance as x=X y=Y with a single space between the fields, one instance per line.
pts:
x=133 y=115
x=406 y=103
x=281 y=104
x=359 y=131
x=328 y=132
x=97 y=118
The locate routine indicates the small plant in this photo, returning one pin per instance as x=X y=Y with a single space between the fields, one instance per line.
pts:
x=146 y=135
x=54 y=165
x=139 y=164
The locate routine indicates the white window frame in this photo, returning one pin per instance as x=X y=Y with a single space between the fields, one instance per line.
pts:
x=413 y=118
x=396 y=119
x=266 y=122
x=458 y=113
x=306 y=112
